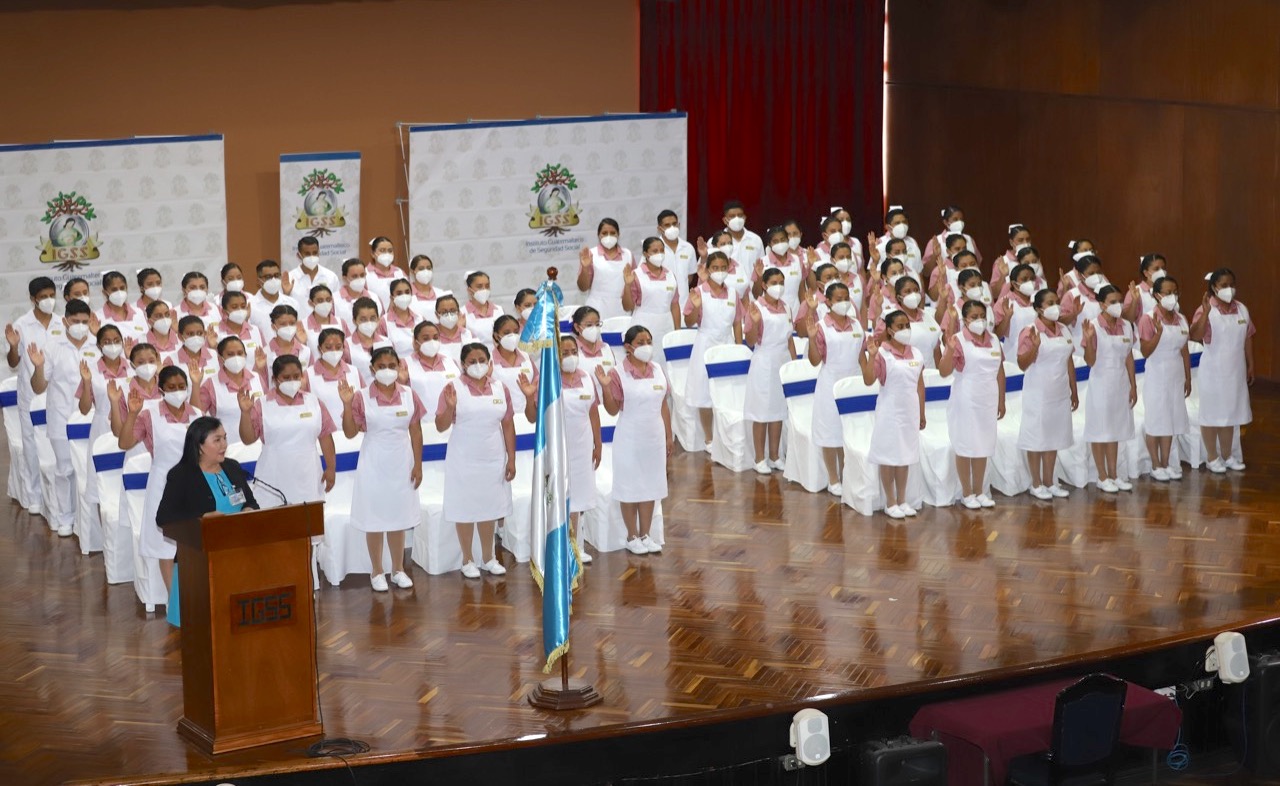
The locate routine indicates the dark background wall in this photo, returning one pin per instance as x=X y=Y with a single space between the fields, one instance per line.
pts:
x=1144 y=125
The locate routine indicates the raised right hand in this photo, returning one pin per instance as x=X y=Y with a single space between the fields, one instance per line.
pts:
x=244 y=399
x=86 y=374
x=11 y=335
x=1035 y=337
x=35 y=355
x=584 y=257
x=602 y=376
x=135 y=402
x=450 y=396
x=345 y=392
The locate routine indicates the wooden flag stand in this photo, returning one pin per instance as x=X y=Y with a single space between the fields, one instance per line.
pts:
x=563 y=693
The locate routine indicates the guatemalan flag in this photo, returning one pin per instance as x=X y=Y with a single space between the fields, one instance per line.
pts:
x=555 y=560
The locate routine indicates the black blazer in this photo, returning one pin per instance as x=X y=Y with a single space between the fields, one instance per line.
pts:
x=187 y=495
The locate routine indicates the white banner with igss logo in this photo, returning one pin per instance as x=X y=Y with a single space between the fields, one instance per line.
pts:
x=320 y=198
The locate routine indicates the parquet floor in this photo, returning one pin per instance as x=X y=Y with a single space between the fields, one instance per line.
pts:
x=765 y=593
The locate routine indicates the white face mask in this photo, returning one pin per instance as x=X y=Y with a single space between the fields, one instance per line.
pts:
x=78 y=330
x=912 y=300
x=1038 y=269
x=1156 y=275
x=608 y=242
x=842 y=265
x=271 y=286
x=311 y=262
x=720 y=276
x=737 y=224
x=238 y=316
x=671 y=233
x=894 y=279
x=429 y=349
x=193 y=344
x=47 y=305
x=726 y=249
x=1051 y=313
x=1226 y=294
x=118 y=297
x=842 y=308
x=290 y=387
x=235 y=285
x=643 y=353
x=402 y=302
x=569 y=363
x=480 y=296
x=287 y=333
x=509 y=342
x=424 y=276
x=1095 y=281
x=385 y=259
x=1019 y=247
x=477 y=370
x=846 y=227
x=525 y=313
x=835 y=237
x=775 y=291
x=1027 y=288
x=973 y=293
x=196 y=297
x=356 y=285
x=323 y=309
x=333 y=357
x=956 y=227
x=591 y=334
x=902 y=336
x=1169 y=302
x=175 y=398
x=235 y=364
x=162 y=326
x=978 y=326
x=899 y=230
x=367 y=329
x=449 y=319
x=146 y=371
x=779 y=249
x=657 y=259
x=112 y=351
x=153 y=292
x=793 y=243
x=386 y=376
x=1115 y=310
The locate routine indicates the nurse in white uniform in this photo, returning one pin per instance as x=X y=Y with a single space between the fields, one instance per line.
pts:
x=1014 y=309
x=320 y=318
x=1141 y=298
x=429 y=368
x=768 y=333
x=384 y=499
x=422 y=273
x=782 y=257
x=161 y=426
x=1223 y=325
x=1002 y=268
x=976 y=402
x=287 y=337
x=110 y=369
x=510 y=362
x=479 y=313
x=1162 y=337
x=938 y=251
x=636 y=391
x=600 y=270
x=1113 y=389
x=896 y=226
x=835 y=343
x=592 y=351
x=329 y=368
x=369 y=332
x=1048 y=394
x=400 y=318
x=383 y=270
x=481 y=462
x=895 y=434
x=715 y=310
x=581 y=430
x=652 y=294
x=453 y=334
x=160 y=328
x=926 y=335
x=219 y=396
x=291 y=424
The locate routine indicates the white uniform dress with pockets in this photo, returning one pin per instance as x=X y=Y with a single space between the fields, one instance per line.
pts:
x=640 y=437
x=428 y=382
x=1222 y=365
x=895 y=435
x=290 y=458
x=481 y=327
x=714 y=329
x=764 y=401
x=925 y=335
x=1046 y=395
x=579 y=395
x=842 y=349
x=653 y=312
x=1164 y=381
x=167 y=440
x=383 y=498
x=475 y=467
x=973 y=408
x=1107 y=415
x=605 y=295
x=1021 y=318
x=226 y=403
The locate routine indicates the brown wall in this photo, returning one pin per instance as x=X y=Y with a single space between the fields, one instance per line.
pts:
x=247 y=69
x=1145 y=125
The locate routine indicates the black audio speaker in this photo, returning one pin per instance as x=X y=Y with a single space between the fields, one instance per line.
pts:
x=1253 y=716
x=904 y=761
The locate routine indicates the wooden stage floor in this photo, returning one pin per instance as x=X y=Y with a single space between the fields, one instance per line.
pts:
x=765 y=593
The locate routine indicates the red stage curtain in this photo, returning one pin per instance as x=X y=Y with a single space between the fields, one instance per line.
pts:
x=785 y=102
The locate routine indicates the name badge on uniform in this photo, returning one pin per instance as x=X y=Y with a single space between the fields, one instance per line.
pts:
x=1183 y=332
x=913 y=363
x=402 y=413
x=497 y=401
x=1126 y=340
x=305 y=415
x=450 y=376
x=671 y=289
x=606 y=362
x=995 y=353
x=659 y=387
x=250 y=344
x=1240 y=322
x=934 y=329
x=236 y=497
x=750 y=248
x=255 y=394
x=585 y=397
x=59 y=332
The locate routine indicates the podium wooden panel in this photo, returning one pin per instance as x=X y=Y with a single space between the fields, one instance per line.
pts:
x=248 y=633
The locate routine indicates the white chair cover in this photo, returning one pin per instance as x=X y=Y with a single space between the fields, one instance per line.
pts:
x=860 y=482
x=937 y=459
x=602 y=526
x=432 y=538
x=516 y=530
x=731 y=444
x=13 y=430
x=117 y=537
x=612 y=331
x=87 y=527
x=1007 y=471
x=48 y=462
x=148 y=584
x=803 y=458
x=343 y=550
x=678 y=347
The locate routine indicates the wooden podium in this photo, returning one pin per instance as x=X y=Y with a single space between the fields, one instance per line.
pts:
x=248 y=633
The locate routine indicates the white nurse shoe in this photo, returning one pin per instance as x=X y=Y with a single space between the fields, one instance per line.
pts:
x=1238 y=466
x=401 y=579
x=494 y=567
x=636 y=546
x=651 y=545
x=379 y=583
x=470 y=571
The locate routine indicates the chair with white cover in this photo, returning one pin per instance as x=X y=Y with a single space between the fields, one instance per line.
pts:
x=1076 y=462
x=612 y=331
x=731 y=444
x=435 y=542
x=937 y=457
x=801 y=344
x=860 y=481
x=1007 y=470
x=148 y=584
x=48 y=461
x=343 y=550
x=517 y=529
x=602 y=526
x=565 y=314
x=677 y=346
x=117 y=537
x=87 y=527
x=803 y=459
x=12 y=430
